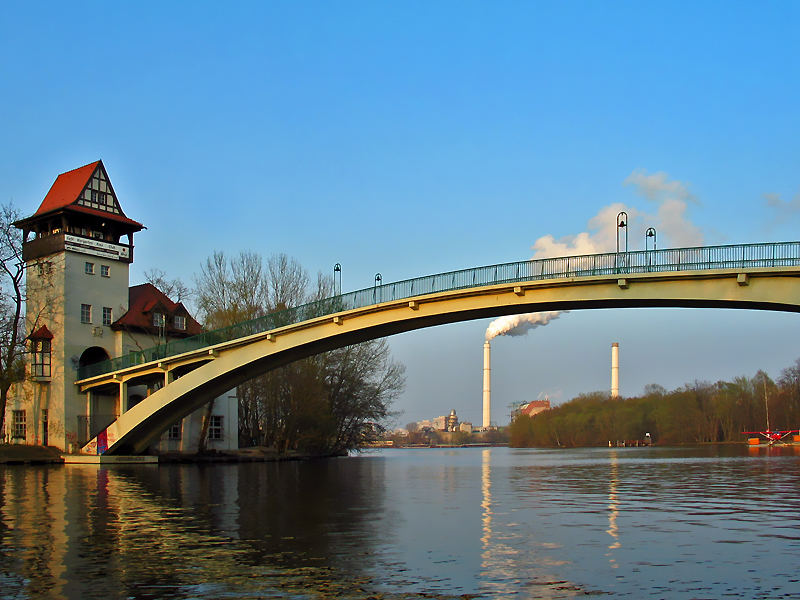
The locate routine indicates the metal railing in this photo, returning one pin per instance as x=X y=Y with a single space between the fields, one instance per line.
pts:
x=738 y=256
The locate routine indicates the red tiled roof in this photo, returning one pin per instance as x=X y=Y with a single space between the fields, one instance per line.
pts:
x=68 y=187
x=145 y=299
x=535 y=407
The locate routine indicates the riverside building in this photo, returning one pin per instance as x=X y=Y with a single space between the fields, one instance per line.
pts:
x=80 y=310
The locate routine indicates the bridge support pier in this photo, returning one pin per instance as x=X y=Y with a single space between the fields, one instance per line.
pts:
x=123 y=397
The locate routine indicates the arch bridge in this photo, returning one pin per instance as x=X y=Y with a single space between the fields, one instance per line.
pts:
x=197 y=369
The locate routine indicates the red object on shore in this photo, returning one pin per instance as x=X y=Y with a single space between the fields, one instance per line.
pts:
x=773 y=436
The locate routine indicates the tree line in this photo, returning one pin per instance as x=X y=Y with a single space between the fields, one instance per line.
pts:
x=694 y=413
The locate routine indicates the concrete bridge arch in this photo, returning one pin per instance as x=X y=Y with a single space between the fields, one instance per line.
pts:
x=192 y=378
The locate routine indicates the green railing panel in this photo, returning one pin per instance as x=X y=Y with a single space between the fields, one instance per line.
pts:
x=737 y=256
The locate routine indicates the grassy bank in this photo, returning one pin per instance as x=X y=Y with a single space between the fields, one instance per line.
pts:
x=21 y=454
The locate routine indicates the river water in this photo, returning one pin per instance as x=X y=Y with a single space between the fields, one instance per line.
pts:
x=710 y=522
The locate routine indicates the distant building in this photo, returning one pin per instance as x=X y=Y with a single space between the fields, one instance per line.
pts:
x=451 y=423
x=465 y=427
x=440 y=423
x=534 y=407
x=80 y=310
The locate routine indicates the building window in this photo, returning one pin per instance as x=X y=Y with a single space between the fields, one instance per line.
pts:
x=158 y=319
x=18 y=428
x=98 y=197
x=41 y=358
x=105 y=271
x=174 y=432
x=45 y=268
x=180 y=322
x=86 y=313
x=88 y=268
x=215 y=427
x=107 y=319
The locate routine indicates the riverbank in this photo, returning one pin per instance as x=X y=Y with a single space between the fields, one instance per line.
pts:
x=11 y=454
x=23 y=454
x=255 y=454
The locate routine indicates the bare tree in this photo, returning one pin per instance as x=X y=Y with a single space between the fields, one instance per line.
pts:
x=174 y=289
x=324 y=404
x=230 y=291
x=12 y=295
x=287 y=282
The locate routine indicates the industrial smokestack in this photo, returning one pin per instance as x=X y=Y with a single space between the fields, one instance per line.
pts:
x=615 y=370
x=487 y=384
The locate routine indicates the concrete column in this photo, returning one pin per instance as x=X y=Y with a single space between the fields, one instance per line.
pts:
x=615 y=370
x=487 y=384
x=123 y=397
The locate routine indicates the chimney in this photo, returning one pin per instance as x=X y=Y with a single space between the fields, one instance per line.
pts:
x=487 y=384
x=615 y=370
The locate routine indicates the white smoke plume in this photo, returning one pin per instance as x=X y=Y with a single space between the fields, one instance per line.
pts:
x=515 y=325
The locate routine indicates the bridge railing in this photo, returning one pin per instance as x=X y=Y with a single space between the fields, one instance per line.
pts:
x=738 y=256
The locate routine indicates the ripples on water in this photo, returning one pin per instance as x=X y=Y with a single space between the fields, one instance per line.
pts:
x=708 y=522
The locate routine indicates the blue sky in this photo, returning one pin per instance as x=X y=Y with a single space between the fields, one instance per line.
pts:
x=410 y=138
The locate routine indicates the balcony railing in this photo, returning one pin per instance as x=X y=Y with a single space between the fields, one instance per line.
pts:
x=740 y=256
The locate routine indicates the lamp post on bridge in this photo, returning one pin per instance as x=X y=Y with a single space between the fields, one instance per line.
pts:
x=337 y=274
x=649 y=233
x=378 y=282
x=622 y=223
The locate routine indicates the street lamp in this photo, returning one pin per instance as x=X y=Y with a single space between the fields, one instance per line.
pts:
x=378 y=281
x=337 y=274
x=649 y=233
x=622 y=223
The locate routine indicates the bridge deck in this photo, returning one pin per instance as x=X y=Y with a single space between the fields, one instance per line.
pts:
x=740 y=256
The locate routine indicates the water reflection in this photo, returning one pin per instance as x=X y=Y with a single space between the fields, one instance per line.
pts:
x=613 y=509
x=486 y=500
x=696 y=522
x=175 y=532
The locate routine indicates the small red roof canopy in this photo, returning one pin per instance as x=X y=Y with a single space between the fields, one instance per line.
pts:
x=43 y=333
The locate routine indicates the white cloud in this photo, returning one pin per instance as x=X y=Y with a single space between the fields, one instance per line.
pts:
x=658 y=186
x=671 y=221
x=784 y=209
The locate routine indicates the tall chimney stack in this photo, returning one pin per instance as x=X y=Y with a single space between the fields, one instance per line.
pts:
x=615 y=370
x=487 y=384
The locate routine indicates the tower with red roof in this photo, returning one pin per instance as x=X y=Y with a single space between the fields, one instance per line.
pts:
x=78 y=247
